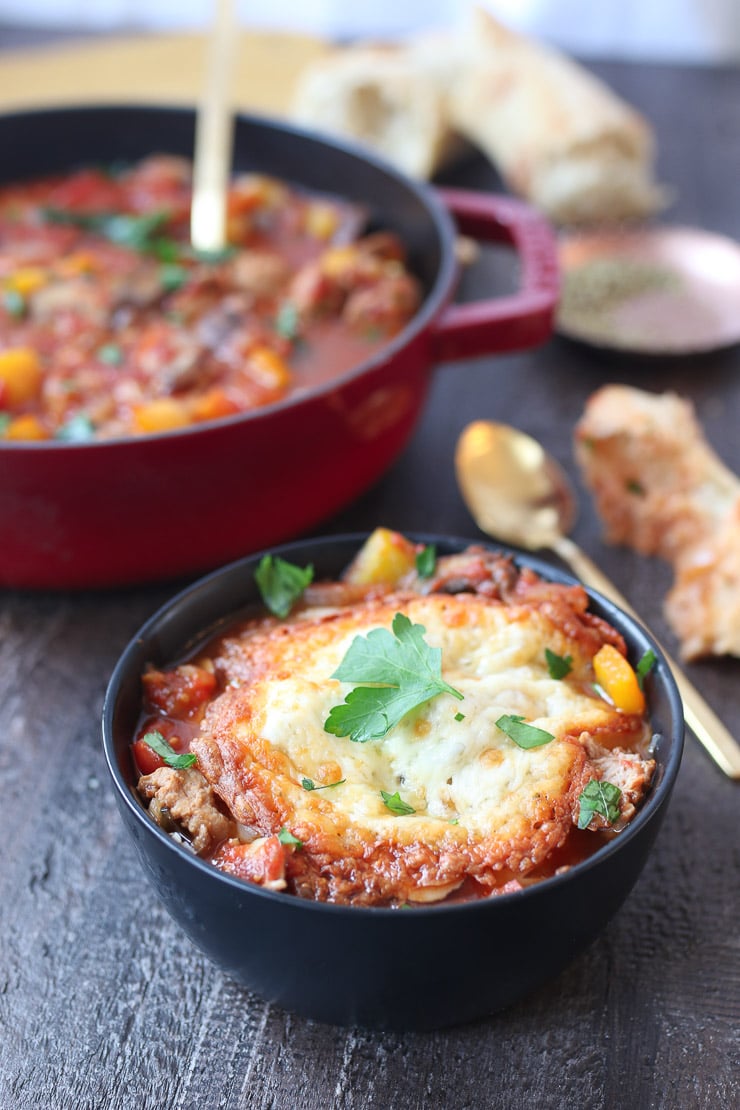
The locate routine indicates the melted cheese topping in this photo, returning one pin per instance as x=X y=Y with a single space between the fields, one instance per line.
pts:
x=484 y=807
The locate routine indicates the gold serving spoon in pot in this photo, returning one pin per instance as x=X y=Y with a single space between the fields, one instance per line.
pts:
x=214 y=127
x=518 y=494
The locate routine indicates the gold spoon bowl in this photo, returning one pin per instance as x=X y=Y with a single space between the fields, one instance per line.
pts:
x=519 y=494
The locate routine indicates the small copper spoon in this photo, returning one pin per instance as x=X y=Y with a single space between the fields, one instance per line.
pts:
x=518 y=494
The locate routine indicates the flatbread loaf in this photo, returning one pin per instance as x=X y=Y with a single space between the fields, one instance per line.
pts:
x=558 y=136
x=376 y=96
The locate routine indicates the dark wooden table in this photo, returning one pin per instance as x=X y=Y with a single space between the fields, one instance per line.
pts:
x=105 y=1003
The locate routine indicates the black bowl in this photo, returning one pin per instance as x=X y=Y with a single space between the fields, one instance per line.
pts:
x=422 y=969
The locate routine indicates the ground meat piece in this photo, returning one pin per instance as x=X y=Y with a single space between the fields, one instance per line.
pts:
x=262 y=273
x=385 y=306
x=184 y=796
x=315 y=293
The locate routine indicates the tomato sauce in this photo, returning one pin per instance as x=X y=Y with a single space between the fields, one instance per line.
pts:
x=112 y=325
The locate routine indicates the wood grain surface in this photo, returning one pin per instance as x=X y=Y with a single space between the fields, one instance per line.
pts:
x=105 y=1003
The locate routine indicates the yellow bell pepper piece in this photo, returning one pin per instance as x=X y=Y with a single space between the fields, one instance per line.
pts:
x=20 y=374
x=25 y=427
x=384 y=558
x=268 y=368
x=27 y=280
x=618 y=680
x=164 y=414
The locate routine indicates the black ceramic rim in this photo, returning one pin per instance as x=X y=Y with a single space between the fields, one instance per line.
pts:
x=637 y=637
x=435 y=297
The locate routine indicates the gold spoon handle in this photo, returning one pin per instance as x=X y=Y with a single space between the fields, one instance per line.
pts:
x=214 y=134
x=700 y=717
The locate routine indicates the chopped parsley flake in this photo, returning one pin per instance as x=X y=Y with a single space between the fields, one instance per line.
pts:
x=158 y=744
x=281 y=583
x=309 y=784
x=396 y=804
x=645 y=666
x=426 y=561
x=600 y=798
x=558 y=666
x=523 y=735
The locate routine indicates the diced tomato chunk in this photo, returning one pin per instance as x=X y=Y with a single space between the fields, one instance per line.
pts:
x=261 y=862
x=145 y=758
x=90 y=190
x=180 y=692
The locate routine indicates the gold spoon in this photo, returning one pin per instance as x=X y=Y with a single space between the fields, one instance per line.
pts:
x=214 y=128
x=518 y=494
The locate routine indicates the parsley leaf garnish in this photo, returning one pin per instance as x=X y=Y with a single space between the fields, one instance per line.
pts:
x=14 y=303
x=288 y=320
x=396 y=804
x=138 y=233
x=158 y=744
x=459 y=716
x=281 y=583
x=558 y=666
x=172 y=276
x=524 y=735
x=309 y=784
x=408 y=673
x=285 y=836
x=599 y=797
x=426 y=561
x=645 y=666
x=110 y=353
x=77 y=429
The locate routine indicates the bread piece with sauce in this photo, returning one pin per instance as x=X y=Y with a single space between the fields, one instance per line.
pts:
x=661 y=489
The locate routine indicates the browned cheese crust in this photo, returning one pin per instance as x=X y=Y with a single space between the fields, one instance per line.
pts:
x=484 y=808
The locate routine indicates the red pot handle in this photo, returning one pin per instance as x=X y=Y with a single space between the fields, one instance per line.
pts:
x=503 y=323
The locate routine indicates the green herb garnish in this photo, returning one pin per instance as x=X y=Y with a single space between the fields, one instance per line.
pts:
x=14 y=303
x=558 y=666
x=645 y=666
x=524 y=735
x=138 y=233
x=599 y=798
x=396 y=804
x=309 y=784
x=110 y=353
x=407 y=672
x=77 y=429
x=459 y=716
x=158 y=744
x=5 y=420
x=426 y=561
x=172 y=277
x=281 y=583
x=285 y=836
x=288 y=320
x=633 y=486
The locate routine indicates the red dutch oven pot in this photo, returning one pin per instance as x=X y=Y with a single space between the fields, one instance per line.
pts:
x=118 y=512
